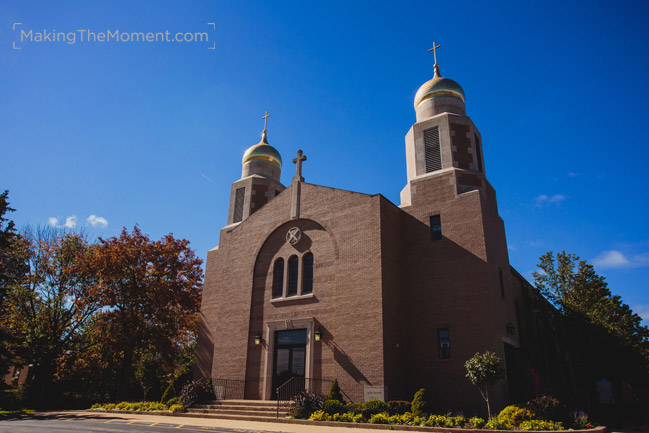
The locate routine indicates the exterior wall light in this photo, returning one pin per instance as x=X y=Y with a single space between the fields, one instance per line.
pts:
x=318 y=335
x=257 y=340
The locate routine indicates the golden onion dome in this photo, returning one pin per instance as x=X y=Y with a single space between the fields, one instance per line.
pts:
x=438 y=86
x=262 y=151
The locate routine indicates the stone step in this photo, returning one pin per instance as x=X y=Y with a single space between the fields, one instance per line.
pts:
x=264 y=403
x=235 y=407
x=238 y=412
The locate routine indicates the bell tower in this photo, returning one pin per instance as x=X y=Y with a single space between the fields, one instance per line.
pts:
x=443 y=138
x=260 y=179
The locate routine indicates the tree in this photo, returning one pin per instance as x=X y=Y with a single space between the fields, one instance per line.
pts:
x=47 y=310
x=150 y=291
x=148 y=373
x=484 y=370
x=577 y=290
x=11 y=269
x=334 y=392
x=604 y=336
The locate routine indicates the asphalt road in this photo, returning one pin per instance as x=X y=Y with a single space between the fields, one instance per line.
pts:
x=91 y=423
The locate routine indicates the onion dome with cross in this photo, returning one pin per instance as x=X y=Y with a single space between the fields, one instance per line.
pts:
x=262 y=158
x=439 y=94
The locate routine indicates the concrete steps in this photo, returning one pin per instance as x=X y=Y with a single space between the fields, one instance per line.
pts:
x=250 y=410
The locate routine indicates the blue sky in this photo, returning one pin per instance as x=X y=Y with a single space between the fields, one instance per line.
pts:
x=153 y=133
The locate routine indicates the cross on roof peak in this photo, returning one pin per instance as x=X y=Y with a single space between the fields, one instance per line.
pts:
x=434 y=50
x=298 y=165
x=265 y=119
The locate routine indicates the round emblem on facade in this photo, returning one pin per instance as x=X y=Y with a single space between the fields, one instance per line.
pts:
x=293 y=235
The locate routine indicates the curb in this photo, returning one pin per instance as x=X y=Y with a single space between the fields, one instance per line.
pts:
x=347 y=424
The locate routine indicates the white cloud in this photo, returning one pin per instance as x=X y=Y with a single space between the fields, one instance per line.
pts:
x=617 y=259
x=573 y=174
x=97 y=221
x=544 y=200
x=70 y=222
x=53 y=221
x=511 y=247
x=642 y=311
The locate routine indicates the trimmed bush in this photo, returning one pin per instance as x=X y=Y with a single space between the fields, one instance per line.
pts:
x=343 y=417
x=398 y=407
x=420 y=403
x=550 y=409
x=354 y=408
x=372 y=407
x=333 y=406
x=513 y=415
x=334 y=392
x=537 y=424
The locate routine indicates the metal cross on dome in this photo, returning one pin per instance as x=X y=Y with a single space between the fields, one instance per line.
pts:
x=265 y=119
x=434 y=50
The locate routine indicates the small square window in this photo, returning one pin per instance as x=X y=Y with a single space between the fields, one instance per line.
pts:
x=444 y=343
x=436 y=228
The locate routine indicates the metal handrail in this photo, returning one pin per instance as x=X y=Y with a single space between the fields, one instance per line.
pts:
x=227 y=389
x=295 y=385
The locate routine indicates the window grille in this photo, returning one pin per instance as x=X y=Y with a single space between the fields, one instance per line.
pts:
x=307 y=274
x=432 y=150
x=240 y=194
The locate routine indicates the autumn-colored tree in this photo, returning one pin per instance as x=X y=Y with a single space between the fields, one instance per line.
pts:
x=151 y=293
x=46 y=312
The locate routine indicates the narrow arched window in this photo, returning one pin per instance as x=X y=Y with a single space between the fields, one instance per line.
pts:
x=292 y=276
x=278 y=278
x=307 y=274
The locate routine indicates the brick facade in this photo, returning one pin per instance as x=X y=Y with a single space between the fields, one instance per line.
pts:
x=382 y=287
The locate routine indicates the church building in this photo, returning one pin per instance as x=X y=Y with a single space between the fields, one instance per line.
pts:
x=320 y=283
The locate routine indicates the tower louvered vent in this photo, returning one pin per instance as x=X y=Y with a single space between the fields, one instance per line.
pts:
x=238 y=205
x=432 y=150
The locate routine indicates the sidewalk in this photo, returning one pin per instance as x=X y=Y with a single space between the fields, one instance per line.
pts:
x=205 y=422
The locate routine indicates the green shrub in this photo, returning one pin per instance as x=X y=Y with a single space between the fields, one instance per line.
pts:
x=406 y=418
x=320 y=415
x=418 y=420
x=537 y=424
x=455 y=421
x=354 y=408
x=436 y=421
x=332 y=406
x=420 y=403
x=176 y=408
x=334 y=392
x=343 y=417
x=372 y=407
x=172 y=401
x=359 y=418
x=493 y=424
x=398 y=407
x=513 y=415
x=395 y=419
x=110 y=406
x=477 y=422
x=549 y=409
x=380 y=418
